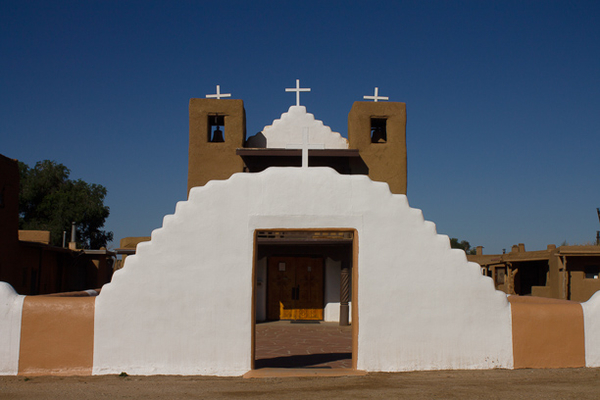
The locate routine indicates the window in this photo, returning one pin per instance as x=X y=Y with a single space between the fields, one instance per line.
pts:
x=500 y=276
x=216 y=128
x=378 y=130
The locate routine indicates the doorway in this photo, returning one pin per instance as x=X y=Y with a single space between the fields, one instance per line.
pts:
x=298 y=276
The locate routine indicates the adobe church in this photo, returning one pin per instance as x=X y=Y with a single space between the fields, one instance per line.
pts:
x=294 y=223
x=299 y=274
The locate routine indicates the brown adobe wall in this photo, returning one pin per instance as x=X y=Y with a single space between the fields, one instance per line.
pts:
x=556 y=277
x=386 y=161
x=57 y=336
x=131 y=242
x=34 y=236
x=547 y=333
x=580 y=287
x=207 y=160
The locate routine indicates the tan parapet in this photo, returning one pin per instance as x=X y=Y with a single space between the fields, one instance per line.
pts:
x=385 y=155
x=34 y=236
x=57 y=336
x=547 y=333
x=131 y=242
x=208 y=159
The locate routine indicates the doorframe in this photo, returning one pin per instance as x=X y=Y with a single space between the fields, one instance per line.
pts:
x=353 y=299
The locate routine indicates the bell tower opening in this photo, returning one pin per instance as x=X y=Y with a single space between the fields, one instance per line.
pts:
x=378 y=130
x=216 y=128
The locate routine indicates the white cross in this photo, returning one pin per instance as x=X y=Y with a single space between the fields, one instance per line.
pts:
x=305 y=146
x=376 y=97
x=297 y=89
x=218 y=95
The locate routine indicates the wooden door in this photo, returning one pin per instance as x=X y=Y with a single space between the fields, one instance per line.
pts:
x=281 y=282
x=295 y=288
x=309 y=289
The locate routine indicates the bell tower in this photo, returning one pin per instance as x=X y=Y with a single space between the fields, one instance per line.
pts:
x=378 y=131
x=217 y=129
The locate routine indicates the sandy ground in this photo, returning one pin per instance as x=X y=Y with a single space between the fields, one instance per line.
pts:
x=495 y=384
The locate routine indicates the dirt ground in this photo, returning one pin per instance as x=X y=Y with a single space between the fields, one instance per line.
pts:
x=494 y=384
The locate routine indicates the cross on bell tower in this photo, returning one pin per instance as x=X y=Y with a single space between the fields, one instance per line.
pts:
x=376 y=96
x=218 y=95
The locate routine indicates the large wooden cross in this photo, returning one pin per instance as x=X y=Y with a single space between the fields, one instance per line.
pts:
x=297 y=89
x=218 y=95
x=305 y=146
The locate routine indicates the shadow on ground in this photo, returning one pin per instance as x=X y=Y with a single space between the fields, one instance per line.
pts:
x=301 y=361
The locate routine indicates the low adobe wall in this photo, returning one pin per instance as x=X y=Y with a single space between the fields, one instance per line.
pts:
x=547 y=333
x=57 y=336
x=46 y=335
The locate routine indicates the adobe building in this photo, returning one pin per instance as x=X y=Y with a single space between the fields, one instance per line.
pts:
x=294 y=242
x=29 y=263
x=566 y=272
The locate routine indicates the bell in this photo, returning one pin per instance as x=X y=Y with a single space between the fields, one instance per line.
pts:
x=218 y=136
x=378 y=135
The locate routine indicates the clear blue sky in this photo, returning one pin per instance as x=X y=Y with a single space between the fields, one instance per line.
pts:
x=503 y=98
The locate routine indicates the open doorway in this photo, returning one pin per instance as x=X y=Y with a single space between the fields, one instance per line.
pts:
x=304 y=287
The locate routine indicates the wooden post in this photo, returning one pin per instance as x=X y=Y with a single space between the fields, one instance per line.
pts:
x=345 y=297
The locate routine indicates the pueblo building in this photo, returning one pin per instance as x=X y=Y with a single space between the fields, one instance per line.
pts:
x=325 y=234
x=564 y=272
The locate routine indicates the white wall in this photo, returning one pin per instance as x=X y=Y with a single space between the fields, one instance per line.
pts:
x=11 y=309
x=591 y=326
x=288 y=130
x=181 y=305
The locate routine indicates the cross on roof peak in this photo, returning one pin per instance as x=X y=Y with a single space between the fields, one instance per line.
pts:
x=297 y=89
x=376 y=96
x=218 y=95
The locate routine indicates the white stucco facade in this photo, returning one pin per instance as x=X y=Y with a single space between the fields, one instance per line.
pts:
x=288 y=129
x=11 y=306
x=182 y=304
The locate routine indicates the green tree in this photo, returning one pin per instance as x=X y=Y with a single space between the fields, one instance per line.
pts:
x=463 y=245
x=49 y=200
